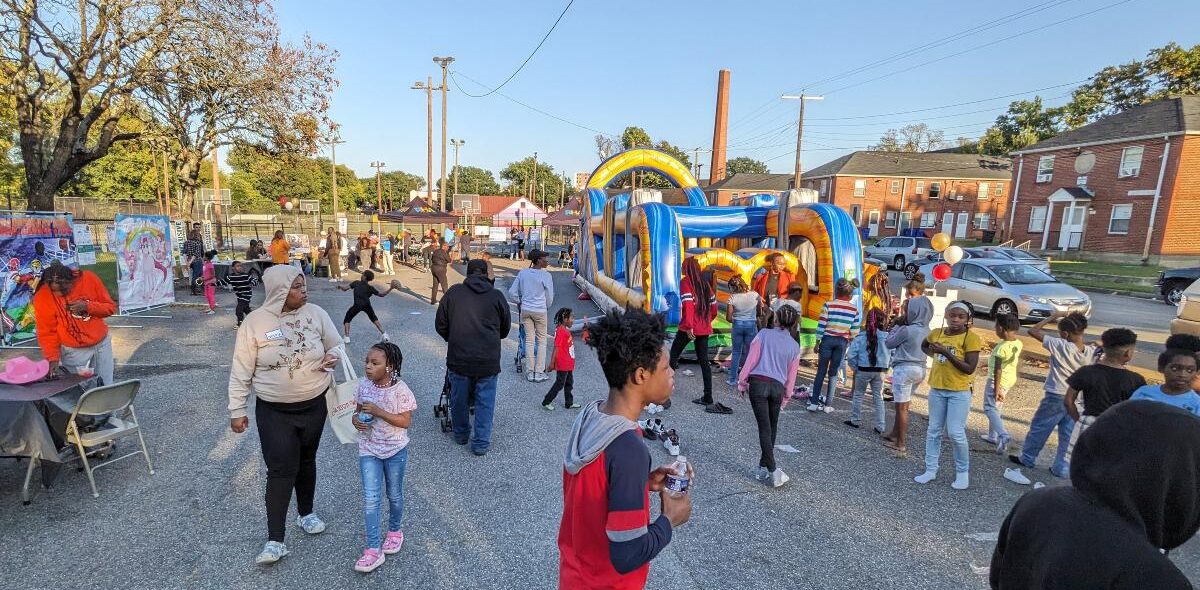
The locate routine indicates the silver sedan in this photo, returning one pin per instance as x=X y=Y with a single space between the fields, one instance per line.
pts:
x=996 y=286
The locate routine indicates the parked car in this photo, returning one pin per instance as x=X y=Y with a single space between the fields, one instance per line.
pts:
x=897 y=250
x=995 y=286
x=1015 y=254
x=911 y=268
x=1172 y=283
x=1187 y=315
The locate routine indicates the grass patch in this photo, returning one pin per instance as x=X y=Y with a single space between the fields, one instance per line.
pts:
x=1108 y=285
x=106 y=269
x=1107 y=268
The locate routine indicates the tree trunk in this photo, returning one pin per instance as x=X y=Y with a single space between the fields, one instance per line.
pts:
x=187 y=172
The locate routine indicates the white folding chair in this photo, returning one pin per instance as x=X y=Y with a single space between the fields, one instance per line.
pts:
x=117 y=400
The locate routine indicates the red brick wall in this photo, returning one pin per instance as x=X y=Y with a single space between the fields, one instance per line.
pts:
x=1179 y=211
x=879 y=197
x=1108 y=191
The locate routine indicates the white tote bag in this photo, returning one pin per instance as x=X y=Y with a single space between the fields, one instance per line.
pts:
x=340 y=401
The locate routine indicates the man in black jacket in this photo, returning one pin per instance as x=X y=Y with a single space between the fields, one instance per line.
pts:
x=473 y=319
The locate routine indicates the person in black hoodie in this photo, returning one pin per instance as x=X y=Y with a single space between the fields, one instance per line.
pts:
x=1135 y=490
x=473 y=319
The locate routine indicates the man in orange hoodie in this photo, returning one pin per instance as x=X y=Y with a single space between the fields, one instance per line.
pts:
x=69 y=307
x=773 y=284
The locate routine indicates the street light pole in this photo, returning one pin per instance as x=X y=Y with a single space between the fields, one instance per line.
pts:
x=333 y=143
x=457 y=143
x=444 y=62
x=799 y=131
x=533 y=186
x=378 y=166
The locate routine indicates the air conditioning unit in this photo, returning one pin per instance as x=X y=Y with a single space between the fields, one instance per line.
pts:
x=957 y=197
x=1044 y=177
x=1081 y=181
x=935 y=192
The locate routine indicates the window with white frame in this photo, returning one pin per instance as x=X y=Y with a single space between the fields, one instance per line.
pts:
x=928 y=219
x=935 y=190
x=1045 y=171
x=895 y=188
x=1118 y=221
x=1037 y=219
x=982 y=221
x=860 y=187
x=1131 y=162
x=984 y=188
x=889 y=219
x=920 y=187
x=824 y=186
x=998 y=190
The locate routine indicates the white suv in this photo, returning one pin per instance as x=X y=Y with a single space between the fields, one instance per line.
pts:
x=897 y=250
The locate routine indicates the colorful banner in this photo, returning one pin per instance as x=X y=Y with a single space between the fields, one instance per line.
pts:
x=85 y=247
x=29 y=242
x=144 y=261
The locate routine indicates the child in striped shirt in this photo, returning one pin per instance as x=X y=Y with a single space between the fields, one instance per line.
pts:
x=239 y=281
x=837 y=326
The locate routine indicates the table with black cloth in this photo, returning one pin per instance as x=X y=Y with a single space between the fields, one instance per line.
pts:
x=33 y=422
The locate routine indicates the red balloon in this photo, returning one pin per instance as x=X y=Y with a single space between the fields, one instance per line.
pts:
x=941 y=271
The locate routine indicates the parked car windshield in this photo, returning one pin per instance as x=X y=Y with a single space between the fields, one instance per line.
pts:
x=1021 y=274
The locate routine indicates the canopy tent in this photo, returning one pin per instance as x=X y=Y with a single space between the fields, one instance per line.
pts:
x=419 y=212
x=568 y=215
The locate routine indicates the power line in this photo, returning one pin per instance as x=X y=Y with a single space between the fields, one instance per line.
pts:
x=531 y=54
x=959 y=104
x=454 y=78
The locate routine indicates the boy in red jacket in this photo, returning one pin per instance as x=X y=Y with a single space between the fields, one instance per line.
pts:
x=605 y=539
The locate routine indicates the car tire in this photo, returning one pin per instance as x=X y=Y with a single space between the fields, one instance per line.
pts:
x=1004 y=307
x=898 y=263
x=1173 y=292
x=910 y=271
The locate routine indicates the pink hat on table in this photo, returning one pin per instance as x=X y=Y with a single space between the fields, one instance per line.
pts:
x=20 y=370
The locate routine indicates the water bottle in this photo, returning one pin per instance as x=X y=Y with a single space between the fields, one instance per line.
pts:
x=677 y=480
x=366 y=418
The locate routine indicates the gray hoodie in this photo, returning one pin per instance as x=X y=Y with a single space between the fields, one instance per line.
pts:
x=906 y=340
x=590 y=435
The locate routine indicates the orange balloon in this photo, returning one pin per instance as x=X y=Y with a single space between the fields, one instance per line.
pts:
x=940 y=241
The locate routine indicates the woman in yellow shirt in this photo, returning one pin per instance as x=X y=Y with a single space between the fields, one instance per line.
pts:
x=955 y=351
x=280 y=249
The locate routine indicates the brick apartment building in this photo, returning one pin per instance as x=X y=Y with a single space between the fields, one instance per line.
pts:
x=1124 y=188
x=886 y=193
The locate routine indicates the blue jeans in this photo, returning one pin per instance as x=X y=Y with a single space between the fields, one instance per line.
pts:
x=829 y=358
x=948 y=410
x=376 y=474
x=743 y=333
x=991 y=409
x=1051 y=413
x=861 y=380
x=485 y=405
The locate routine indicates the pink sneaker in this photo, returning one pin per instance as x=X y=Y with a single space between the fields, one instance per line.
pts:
x=393 y=542
x=370 y=560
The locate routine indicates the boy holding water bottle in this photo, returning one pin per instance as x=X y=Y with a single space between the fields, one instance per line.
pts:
x=605 y=539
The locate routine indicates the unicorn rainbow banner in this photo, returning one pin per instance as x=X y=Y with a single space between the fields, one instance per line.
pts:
x=144 y=261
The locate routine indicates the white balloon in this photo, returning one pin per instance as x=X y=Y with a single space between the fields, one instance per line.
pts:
x=288 y=205
x=952 y=254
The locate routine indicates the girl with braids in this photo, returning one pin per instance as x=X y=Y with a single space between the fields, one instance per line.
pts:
x=698 y=298
x=741 y=311
x=769 y=374
x=69 y=307
x=871 y=359
x=1068 y=353
x=562 y=364
x=385 y=407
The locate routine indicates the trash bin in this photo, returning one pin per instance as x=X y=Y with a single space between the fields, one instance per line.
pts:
x=865 y=232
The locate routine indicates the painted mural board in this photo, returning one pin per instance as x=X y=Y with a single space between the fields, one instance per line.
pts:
x=144 y=261
x=29 y=242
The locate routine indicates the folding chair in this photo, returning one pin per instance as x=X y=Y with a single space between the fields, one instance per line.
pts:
x=117 y=400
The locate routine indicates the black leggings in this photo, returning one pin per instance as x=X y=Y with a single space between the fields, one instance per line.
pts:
x=439 y=278
x=701 y=348
x=355 y=309
x=564 y=380
x=289 y=435
x=242 y=310
x=766 y=395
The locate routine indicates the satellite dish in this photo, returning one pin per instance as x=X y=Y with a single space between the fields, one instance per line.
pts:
x=1085 y=162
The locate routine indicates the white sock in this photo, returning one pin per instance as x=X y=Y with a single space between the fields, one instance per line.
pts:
x=926 y=477
x=961 y=481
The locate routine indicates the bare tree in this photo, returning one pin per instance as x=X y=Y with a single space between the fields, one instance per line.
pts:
x=911 y=138
x=76 y=65
x=605 y=146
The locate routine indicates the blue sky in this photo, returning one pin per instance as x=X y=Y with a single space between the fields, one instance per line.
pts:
x=654 y=64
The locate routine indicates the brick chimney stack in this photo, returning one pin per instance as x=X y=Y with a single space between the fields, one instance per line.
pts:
x=716 y=170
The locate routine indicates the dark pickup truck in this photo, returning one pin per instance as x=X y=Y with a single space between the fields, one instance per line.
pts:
x=1171 y=283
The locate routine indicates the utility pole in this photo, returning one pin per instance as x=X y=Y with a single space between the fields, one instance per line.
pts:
x=378 y=166
x=457 y=143
x=799 y=131
x=445 y=63
x=533 y=185
x=216 y=182
x=427 y=86
x=696 y=161
x=333 y=143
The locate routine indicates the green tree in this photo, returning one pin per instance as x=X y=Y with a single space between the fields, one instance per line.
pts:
x=473 y=180
x=917 y=137
x=396 y=186
x=635 y=137
x=745 y=165
x=260 y=177
x=520 y=177
x=1167 y=71
x=1025 y=123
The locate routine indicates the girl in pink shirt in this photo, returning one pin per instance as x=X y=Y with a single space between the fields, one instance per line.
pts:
x=209 y=278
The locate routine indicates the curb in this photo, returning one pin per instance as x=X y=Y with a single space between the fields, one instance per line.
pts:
x=1132 y=294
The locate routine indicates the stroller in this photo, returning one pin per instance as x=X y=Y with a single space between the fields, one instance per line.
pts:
x=441 y=411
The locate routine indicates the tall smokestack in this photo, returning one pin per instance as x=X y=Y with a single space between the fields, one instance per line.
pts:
x=716 y=169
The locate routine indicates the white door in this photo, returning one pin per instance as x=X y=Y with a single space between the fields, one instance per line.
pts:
x=948 y=223
x=1072 y=226
x=873 y=223
x=961 y=230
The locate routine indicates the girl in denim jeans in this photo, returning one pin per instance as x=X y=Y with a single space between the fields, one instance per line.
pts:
x=741 y=311
x=385 y=407
x=955 y=351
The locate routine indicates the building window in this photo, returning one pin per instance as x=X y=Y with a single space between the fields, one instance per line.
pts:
x=905 y=220
x=1131 y=163
x=920 y=187
x=998 y=190
x=824 y=186
x=889 y=219
x=1045 y=169
x=982 y=221
x=928 y=219
x=1037 y=219
x=895 y=187
x=860 y=187
x=984 y=187
x=935 y=190
x=1118 y=222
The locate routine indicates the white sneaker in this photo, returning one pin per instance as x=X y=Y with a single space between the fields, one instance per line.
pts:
x=778 y=478
x=813 y=407
x=1014 y=475
x=672 y=447
x=961 y=481
x=311 y=524
x=273 y=551
x=828 y=409
x=530 y=377
x=926 y=477
x=346 y=339
x=987 y=438
x=386 y=338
